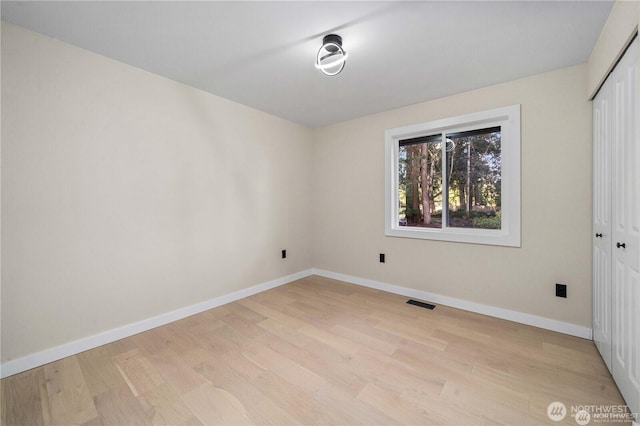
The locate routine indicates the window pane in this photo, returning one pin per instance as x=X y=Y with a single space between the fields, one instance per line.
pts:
x=474 y=179
x=420 y=182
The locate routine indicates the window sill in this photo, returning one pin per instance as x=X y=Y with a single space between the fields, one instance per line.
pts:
x=495 y=237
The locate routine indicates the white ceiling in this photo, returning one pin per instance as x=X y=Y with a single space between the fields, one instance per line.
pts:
x=262 y=53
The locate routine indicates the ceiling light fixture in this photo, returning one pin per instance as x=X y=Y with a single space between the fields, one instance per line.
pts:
x=331 y=56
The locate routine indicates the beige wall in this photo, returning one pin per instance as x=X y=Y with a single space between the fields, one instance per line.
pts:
x=126 y=195
x=348 y=188
x=618 y=31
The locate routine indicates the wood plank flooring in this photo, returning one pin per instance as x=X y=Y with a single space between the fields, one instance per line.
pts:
x=317 y=351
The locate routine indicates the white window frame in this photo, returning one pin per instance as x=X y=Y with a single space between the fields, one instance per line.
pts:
x=508 y=118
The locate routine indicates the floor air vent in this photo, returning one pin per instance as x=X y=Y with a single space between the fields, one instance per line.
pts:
x=421 y=304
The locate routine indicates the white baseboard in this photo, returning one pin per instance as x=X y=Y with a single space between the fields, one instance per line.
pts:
x=492 y=311
x=28 y=362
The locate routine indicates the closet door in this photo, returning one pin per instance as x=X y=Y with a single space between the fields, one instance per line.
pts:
x=625 y=254
x=602 y=222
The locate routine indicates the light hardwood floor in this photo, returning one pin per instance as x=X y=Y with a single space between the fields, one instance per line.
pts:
x=318 y=351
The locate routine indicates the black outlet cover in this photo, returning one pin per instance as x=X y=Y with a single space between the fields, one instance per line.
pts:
x=284 y=254
x=381 y=257
x=561 y=290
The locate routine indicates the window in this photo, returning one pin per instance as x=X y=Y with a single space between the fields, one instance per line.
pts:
x=456 y=179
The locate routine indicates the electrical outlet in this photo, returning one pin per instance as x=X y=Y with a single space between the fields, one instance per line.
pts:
x=381 y=257
x=561 y=290
x=284 y=254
